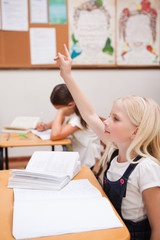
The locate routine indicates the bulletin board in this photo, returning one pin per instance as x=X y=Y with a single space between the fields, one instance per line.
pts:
x=15 y=45
x=115 y=52
x=15 y=48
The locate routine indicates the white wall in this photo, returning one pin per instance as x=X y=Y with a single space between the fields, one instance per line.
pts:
x=27 y=92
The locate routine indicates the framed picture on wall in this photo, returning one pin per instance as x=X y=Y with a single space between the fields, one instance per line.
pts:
x=138 y=32
x=92 y=32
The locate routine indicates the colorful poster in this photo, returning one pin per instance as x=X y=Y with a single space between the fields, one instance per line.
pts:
x=57 y=12
x=92 y=32
x=138 y=32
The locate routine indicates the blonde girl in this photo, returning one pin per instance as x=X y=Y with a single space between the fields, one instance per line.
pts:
x=132 y=135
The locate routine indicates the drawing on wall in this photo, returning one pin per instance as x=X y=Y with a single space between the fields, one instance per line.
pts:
x=138 y=32
x=92 y=32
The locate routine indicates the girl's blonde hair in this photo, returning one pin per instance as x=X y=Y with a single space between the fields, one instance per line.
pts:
x=144 y=113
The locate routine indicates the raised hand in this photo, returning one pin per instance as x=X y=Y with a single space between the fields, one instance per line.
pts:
x=64 y=62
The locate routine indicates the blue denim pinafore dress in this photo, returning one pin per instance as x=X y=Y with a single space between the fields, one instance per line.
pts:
x=116 y=191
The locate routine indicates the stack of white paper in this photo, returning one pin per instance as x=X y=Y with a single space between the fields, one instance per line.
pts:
x=78 y=207
x=21 y=125
x=46 y=170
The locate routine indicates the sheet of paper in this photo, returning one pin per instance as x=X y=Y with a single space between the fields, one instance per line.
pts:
x=45 y=215
x=43 y=45
x=74 y=189
x=44 y=135
x=15 y=15
x=38 y=11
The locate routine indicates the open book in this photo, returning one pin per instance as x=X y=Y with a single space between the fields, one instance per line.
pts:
x=78 y=207
x=44 y=135
x=21 y=125
x=46 y=170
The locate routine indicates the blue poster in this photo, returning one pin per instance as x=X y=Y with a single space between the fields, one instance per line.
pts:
x=57 y=12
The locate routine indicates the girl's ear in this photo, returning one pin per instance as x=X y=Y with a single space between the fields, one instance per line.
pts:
x=71 y=104
x=134 y=133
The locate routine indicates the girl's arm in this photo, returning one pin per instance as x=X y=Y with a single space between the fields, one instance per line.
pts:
x=84 y=106
x=58 y=130
x=151 y=198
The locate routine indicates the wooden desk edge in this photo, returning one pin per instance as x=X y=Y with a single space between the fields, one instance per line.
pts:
x=31 y=140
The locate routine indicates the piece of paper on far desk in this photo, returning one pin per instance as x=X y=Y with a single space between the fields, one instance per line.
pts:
x=79 y=207
x=44 y=135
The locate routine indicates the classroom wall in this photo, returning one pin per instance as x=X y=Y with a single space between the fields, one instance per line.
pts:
x=27 y=92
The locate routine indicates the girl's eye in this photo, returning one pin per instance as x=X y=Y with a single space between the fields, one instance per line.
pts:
x=115 y=119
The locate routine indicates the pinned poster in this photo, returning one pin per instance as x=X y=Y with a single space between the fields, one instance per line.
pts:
x=138 y=32
x=92 y=32
x=57 y=12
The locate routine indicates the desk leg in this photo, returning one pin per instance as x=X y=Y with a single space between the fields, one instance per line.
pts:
x=1 y=158
x=64 y=147
x=52 y=148
x=6 y=158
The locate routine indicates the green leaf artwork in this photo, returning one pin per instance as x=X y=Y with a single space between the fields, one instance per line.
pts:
x=108 y=48
x=73 y=39
x=99 y=2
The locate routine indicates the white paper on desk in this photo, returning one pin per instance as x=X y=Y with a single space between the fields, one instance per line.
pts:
x=79 y=207
x=46 y=170
x=44 y=135
x=25 y=122
x=74 y=189
x=55 y=163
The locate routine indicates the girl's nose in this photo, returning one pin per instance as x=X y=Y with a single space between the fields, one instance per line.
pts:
x=106 y=122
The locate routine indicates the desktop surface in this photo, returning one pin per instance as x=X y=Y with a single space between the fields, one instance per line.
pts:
x=6 y=212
